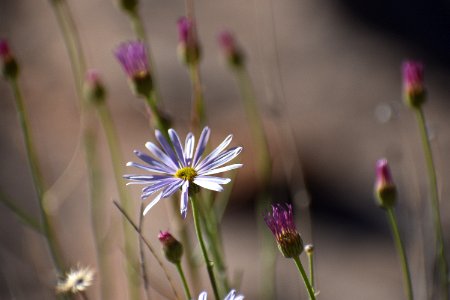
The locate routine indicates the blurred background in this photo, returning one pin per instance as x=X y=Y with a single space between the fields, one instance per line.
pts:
x=331 y=69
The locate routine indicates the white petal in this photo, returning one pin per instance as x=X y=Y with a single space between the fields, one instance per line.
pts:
x=172 y=188
x=162 y=156
x=221 y=159
x=216 y=151
x=165 y=145
x=208 y=184
x=203 y=296
x=221 y=170
x=189 y=148
x=151 y=204
x=218 y=180
x=150 y=168
x=184 y=199
x=177 y=145
x=202 y=141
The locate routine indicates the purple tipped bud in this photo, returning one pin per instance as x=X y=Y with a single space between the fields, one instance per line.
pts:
x=281 y=222
x=232 y=53
x=188 y=46
x=94 y=89
x=5 y=52
x=413 y=83
x=173 y=249
x=385 y=190
x=133 y=58
x=10 y=68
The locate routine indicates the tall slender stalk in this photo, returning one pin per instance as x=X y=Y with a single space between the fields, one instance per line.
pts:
x=149 y=247
x=198 y=231
x=125 y=200
x=187 y=292
x=74 y=48
x=198 y=105
x=38 y=180
x=401 y=253
x=302 y=272
x=433 y=185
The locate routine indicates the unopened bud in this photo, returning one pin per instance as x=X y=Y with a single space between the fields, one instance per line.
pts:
x=188 y=46
x=173 y=249
x=414 y=92
x=233 y=54
x=133 y=58
x=309 y=249
x=385 y=190
x=10 y=68
x=93 y=89
x=281 y=222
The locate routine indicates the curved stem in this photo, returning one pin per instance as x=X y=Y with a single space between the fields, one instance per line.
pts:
x=198 y=231
x=401 y=253
x=38 y=180
x=187 y=292
x=19 y=213
x=300 y=268
x=440 y=248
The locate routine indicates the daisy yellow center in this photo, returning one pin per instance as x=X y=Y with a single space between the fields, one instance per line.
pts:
x=186 y=173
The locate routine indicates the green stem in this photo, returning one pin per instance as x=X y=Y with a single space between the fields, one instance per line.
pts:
x=212 y=229
x=126 y=202
x=256 y=124
x=198 y=231
x=311 y=268
x=149 y=247
x=440 y=248
x=141 y=254
x=47 y=227
x=300 y=268
x=19 y=213
x=198 y=105
x=187 y=292
x=401 y=253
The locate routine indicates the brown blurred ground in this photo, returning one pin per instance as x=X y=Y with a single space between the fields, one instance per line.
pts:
x=341 y=81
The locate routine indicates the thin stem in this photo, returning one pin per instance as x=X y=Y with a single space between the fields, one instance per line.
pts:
x=198 y=231
x=149 y=247
x=23 y=216
x=311 y=268
x=256 y=124
x=38 y=180
x=159 y=119
x=126 y=202
x=300 y=268
x=141 y=254
x=187 y=292
x=198 y=106
x=440 y=248
x=401 y=252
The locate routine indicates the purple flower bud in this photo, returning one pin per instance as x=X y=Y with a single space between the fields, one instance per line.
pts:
x=281 y=222
x=10 y=68
x=173 y=249
x=94 y=91
x=133 y=57
x=413 y=83
x=188 y=47
x=230 y=49
x=385 y=190
x=5 y=52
